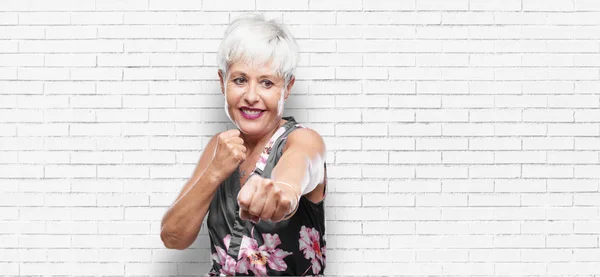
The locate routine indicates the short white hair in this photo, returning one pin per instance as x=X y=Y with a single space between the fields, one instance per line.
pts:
x=254 y=41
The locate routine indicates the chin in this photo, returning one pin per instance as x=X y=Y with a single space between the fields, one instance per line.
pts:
x=253 y=126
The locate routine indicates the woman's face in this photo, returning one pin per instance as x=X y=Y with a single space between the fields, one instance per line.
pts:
x=254 y=97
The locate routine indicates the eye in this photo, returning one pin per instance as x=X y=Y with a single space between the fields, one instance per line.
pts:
x=268 y=83
x=238 y=80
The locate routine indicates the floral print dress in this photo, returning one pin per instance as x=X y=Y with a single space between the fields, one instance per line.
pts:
x=295 y=246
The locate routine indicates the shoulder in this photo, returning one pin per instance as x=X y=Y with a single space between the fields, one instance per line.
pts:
x=304 y=137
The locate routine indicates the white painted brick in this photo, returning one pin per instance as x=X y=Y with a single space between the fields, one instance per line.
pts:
x=415 y=129
x=69 y=115
x=388 y=87
x=495 y=5
x=520 y=268
x=343 y=228
x=584 y=254
x=339 y=115
x=415 y=213
x=35 y=130
x=388 y=115
x=548 y=143
x=494 y=255
x=388 y=200
x=389 y=227
x=124 y=171
x=544 y=227
x=109 y=200
x=8 y=157
x=547 y=171
x=95 y=241
x=95 y=101
x=464 y=213
x=415 y=157
x=368 y=101
x=367 y=157
x=572 y=185
x=175 y=5
x=97 y=129
x=151 y=45
x=372 y=129
x=494 y=227
x=416 y=185
x=486 y=200
x=495 y=171
x=24 y=255
x=587 y=199
x=439 y=200
x=121 y=115
x=471 y=157
x=520 y=186
x=571 y=101
x=149 y=74
x=9 y=213
x=546 y=199
x=96 y=158
x=537 y=115
x=154 y=157
x=531 y=241
x=587 y=143
x=48 y=185
x=21 y=171
x=343 y=171
x=63 y=200
x=356 y=185
x=552 y=5
x=572 y=157
x=358 y=241
x=69 y=143
x=388 y=144
x=16 y=143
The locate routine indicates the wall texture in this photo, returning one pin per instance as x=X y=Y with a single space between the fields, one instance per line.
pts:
x=463 y=136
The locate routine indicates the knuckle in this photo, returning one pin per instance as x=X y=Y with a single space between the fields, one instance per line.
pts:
x=244 y=202
x=254 y=211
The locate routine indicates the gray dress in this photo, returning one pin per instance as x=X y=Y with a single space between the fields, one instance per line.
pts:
x=295 y=246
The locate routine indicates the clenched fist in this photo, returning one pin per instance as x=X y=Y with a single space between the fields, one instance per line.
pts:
x=261 y=198
x=229 y=152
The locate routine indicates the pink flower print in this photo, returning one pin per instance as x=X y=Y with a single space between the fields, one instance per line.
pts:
x=256 y=258
x=310 y=245
x=275 y=255
x=227 y=262
x=262 y=159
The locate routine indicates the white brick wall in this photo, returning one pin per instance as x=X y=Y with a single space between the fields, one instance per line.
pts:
x=463 y=135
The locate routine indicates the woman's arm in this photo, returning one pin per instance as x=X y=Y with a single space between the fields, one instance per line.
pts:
x=181 y=223
x=302 y=161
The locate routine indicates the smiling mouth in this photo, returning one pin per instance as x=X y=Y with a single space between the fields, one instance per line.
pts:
x=251 y=111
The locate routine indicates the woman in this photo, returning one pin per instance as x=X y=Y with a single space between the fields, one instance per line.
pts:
x=263 y=184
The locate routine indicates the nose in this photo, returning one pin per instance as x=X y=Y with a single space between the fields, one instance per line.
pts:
x=251 y=95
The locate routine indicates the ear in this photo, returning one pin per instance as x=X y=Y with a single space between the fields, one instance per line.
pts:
x=221 y=81
x=289 y=87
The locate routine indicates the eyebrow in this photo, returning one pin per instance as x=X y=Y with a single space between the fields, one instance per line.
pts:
x=262 y=76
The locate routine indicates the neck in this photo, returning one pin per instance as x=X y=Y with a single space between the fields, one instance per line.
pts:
x=252 y=141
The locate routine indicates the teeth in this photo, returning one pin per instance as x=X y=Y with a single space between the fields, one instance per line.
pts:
x=251 y=111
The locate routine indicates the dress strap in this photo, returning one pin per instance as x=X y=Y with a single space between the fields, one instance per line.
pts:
x=280 y=134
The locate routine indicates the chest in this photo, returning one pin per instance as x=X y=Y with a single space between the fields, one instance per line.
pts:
x=246 y=167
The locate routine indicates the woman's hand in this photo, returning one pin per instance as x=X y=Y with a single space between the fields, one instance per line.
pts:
x=261 y=198
x=229 y=152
